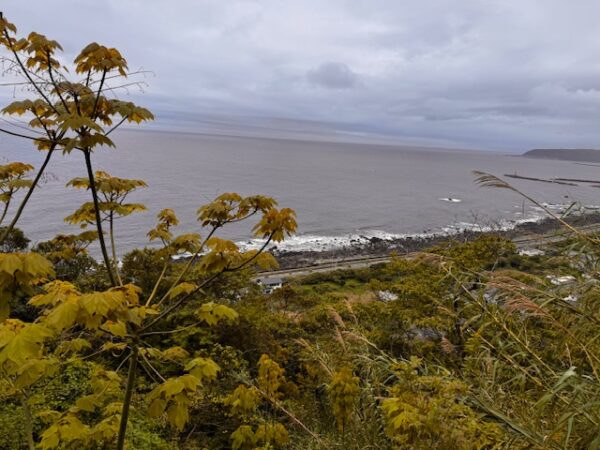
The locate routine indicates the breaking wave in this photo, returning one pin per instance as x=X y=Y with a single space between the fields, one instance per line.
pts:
x=317 y=243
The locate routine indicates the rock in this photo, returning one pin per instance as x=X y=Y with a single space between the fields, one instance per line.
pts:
x=557 y=281
x=386 y=296
x=424 y=334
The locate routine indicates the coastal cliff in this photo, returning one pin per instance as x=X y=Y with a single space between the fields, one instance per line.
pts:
x=566 y=154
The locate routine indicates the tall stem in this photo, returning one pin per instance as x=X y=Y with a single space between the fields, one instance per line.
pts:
x=90 y=171
x=28 y=421
x=128 y=393
x=6 y=205
x=12 y=224
x=157 y=284
x=114 y=247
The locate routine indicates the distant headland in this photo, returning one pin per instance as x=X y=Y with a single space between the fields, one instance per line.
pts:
x=568 y=154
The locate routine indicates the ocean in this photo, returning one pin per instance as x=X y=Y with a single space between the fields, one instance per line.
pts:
x=342 y=192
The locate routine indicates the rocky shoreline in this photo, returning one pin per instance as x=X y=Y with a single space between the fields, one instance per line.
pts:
x=375 y=247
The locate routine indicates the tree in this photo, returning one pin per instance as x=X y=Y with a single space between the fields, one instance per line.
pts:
x=13 y=178
x=113 y=192
x=15 y=241
x=77 y=114
x=67 y=114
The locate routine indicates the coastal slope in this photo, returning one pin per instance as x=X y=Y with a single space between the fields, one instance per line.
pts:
x=565 y=154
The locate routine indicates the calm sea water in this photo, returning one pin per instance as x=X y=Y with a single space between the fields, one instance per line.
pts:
x=340 y=191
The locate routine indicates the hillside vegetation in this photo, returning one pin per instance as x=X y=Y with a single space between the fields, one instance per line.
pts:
x=464 y=346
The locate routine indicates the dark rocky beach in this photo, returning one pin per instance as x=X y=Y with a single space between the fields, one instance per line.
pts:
x=376 y=247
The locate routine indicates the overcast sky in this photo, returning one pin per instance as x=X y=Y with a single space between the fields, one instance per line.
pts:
x=497 y=74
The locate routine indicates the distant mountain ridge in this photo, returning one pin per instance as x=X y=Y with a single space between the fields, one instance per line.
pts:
x=565 y=154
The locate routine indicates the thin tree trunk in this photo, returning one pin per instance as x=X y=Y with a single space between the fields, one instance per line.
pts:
x=90 y=171
x=12 y=224
x=6 y=205
x=28 y=422
x=128 y=393
x=114 y=248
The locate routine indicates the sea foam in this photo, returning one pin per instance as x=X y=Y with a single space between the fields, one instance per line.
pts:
x=361 y=238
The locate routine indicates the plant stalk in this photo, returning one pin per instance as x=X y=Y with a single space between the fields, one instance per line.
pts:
x=6 y=205
x=90 y=171
x=28 y=421
x=128 y=393
x=13 y=223
x=114 y=248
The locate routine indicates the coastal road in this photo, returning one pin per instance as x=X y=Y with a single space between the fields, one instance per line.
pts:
x=523 y=242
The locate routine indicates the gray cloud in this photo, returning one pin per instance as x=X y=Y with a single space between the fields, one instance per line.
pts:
x=332 y=75
x=493 y=74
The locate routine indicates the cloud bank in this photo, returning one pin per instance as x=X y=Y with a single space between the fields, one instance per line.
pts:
x=492 y=74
